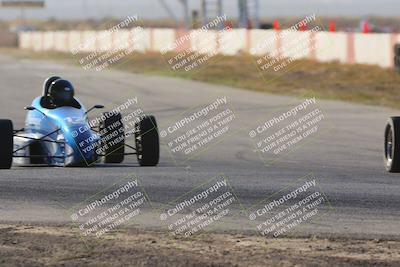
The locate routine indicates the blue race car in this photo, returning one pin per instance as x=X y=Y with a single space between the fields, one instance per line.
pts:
x=57 y=132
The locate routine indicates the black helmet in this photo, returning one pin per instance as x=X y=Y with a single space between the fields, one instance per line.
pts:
x=61 y=92
x=47 y=83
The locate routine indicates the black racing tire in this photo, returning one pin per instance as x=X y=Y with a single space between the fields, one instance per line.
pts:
x=6 y=144
x=392 y=145
x=147 y=141
x=114 y=148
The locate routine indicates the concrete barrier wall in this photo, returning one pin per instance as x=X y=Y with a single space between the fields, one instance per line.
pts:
x=60 y=41
x=48 y=41
x=74 y=39
x=162 y=39
x=331 y=47
x=295 y=45
x=24 y=41
x=262 y=42
x=367 y=47
x=37 y=41
x=376 y=49
x=89 y=41
x=141 y=39
x=232 y=42
x=205 y=42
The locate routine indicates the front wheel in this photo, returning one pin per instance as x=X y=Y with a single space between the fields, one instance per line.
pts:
x=392 y=145
x=6 y=144
x=147 y=142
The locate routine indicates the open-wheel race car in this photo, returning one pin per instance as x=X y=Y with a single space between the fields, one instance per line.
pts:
x=57 y=132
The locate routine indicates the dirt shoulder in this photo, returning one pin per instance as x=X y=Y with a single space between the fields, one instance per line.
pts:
x=32 y=245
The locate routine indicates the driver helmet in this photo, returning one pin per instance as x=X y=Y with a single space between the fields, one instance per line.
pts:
x=61 y=92
x=47 y=83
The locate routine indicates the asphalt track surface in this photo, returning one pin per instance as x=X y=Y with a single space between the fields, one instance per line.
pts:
x=346 y=158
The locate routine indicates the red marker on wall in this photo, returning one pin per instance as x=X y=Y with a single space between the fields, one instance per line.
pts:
x=332 y=26
x=303 y=26
x=366 y=27
x=276 y=25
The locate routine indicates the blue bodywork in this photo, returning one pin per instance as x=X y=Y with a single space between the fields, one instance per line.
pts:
x=72 y=142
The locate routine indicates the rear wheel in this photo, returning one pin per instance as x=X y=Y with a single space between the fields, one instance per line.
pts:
x=6 y=144
x=147 y=142
x=392 y=145
x=113 y=138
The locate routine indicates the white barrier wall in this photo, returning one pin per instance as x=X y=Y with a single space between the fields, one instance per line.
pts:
x=162 y=39
x=295 y=45
x=376 y=49
x=367 y=49
x=24 y=40
x=104 y=41
x=60 y=41
x=89 y=42
x=204 y=42
x=332 y=46
x=141 y=39
x=232 y=42
x=262 y=42
x=36 y=39
x=48 y=41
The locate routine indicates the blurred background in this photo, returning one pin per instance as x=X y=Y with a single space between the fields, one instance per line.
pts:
x=337 y=15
